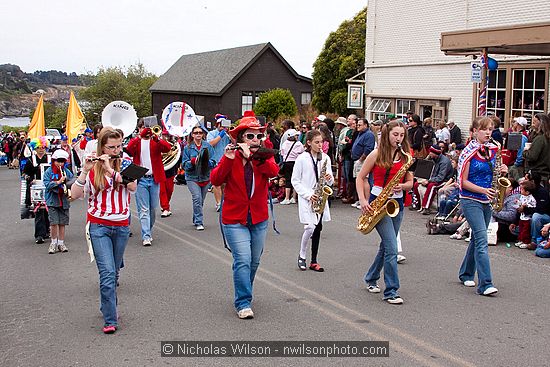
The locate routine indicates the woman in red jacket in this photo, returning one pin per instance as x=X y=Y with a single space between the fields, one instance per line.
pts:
x=244 y=209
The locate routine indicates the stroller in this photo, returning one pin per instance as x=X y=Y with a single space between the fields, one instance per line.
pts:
x=437 y=224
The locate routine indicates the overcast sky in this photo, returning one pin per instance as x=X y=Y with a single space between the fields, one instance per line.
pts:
x=81 y=36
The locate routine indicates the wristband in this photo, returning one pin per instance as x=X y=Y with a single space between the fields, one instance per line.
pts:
x=78 y=183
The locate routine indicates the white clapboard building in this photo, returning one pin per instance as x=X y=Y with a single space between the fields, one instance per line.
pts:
x=418 y=57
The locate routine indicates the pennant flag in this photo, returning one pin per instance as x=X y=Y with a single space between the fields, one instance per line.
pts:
x=37 y=126
x=75 y=119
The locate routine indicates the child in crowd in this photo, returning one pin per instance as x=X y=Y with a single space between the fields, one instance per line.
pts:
x=57 y=199
x=526 y=200
x=277 y=189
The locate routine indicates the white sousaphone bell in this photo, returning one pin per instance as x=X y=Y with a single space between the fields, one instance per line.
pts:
x=179 y=119
x=120 y=115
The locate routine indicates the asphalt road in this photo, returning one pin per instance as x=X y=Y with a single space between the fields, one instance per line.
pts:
x=181 y=289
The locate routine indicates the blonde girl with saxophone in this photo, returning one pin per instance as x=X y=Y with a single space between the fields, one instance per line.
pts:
x=306 y=177
x=386 y=163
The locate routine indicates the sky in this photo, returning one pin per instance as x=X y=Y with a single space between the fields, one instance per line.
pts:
x=82 y=36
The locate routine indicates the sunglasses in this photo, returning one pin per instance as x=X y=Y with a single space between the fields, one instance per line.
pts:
x=197 y=132
x=251 y=136
x=61 y=160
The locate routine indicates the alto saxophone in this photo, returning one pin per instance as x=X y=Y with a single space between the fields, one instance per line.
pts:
x=322 y=191
x=499 y=184
x=383 y=205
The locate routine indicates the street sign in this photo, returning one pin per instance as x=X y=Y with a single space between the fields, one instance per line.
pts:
x=476 y=68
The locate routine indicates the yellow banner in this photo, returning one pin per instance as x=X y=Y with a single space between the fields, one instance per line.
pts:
x=37 y=126
x=75 y=119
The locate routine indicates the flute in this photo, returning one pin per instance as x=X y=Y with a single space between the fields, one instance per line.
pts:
x=238 y=147
x=95 y=159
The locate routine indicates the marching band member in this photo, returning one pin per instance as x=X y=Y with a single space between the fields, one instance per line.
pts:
x=305 y=177
x=107 y=216
x=244 y=209
x=475 y=175
x=146 y=150
x=167 y=187
x=384 y=165
x=197 y=162
x=218 y=139
x=56 y=180
x=32 y=173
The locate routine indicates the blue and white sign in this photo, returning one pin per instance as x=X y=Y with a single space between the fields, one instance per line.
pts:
x=476 y=68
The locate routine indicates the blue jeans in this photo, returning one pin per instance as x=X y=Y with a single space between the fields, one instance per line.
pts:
x=446 y=205
x=537 y=222
x=147 y=201
x=198 y=193
x=478 y=216
x=109 y=243
x=540 y=252
x=386 y=257
x=246 y=244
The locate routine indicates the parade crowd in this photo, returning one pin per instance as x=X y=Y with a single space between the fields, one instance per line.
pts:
x=251 y=165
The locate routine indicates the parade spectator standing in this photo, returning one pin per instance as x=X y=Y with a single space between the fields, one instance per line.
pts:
x=305 y=127
x=537 y=156
x=146 y=150
x=347 y=161
x=496 y=134
x=454 y=131
x=416 y=137
x=244 y=214
x=362 y=147
x=56 y=181
x=286 y=125
x=197 y=162
x=442 y=133
x=305 y=178
x=290 y=150
x=218 y=139
x=107 y=219
x=516 y=171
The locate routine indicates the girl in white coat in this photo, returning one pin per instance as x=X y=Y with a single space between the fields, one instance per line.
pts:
x=305 y=176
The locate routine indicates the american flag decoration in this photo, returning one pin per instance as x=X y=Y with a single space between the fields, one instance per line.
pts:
x=482 y=99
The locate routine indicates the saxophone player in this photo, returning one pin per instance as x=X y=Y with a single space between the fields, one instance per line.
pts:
x=312 y=172
x=388 y=165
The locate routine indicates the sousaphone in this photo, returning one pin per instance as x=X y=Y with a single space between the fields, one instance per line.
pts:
x=120 y=115
x=179 y=119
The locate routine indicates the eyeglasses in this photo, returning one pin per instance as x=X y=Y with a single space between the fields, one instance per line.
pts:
x=61 y=160
x=113 y=147
x=197 y=132
x=251 y=136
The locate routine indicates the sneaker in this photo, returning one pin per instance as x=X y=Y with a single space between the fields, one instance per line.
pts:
x=467 y=239
x=62 y=248
x=165 y=213
x=285 y=202
x=373 y=288
x=52 y=248
x=523 y=245
x=39 y=240
x=356 y=204
x=302 y=264
x=110 y=329
x=469 y=283
x=245 y=313
x=147 y=242
x=440 y=217
x=489 y=291
x=292 y=201
x=218 y=207
x=455 y=236
x=395 y=300
x=518 y=244
x=199 y=227
x=400 y=258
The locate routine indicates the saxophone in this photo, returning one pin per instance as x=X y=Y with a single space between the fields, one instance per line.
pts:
x=322 y=191
x=499 y=184
x=383 y=205
x=66 y=190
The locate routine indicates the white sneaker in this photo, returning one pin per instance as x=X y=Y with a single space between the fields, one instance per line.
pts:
x=245 y=313
x=147 y=242
x=489 y=291
x=396 y=300
x=165 y=213
x=373 y=289
x=293 y=201
x=467 y=239
x=199 y=227
x=400 y=258
x=53 y=248
x=469 y=283
x=523 y=245
x=285 y=202
x=218 y=207
x=518 y=244
x=62 y=248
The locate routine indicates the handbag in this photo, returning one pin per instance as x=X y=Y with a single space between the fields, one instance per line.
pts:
x=282 y=163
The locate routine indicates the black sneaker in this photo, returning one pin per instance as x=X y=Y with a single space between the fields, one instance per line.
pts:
x=302 y=263
x=395 y=300
x=39 y=240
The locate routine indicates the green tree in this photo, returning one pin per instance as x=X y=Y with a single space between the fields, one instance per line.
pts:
x=118 y=84
x=276 y=103
x=342 y=57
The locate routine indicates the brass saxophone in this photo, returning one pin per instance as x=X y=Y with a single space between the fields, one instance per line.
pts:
x=322 y=191
x=383 y=205
x=499 y=184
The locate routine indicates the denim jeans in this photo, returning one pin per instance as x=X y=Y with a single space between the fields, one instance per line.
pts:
x=108 y=243
x=246 y=244
x=478 y=216
x=147 y=201
x=537 y=222
x=386 y=257
x=198 y=193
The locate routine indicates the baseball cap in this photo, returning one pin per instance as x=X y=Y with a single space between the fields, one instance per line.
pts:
x=521 y=120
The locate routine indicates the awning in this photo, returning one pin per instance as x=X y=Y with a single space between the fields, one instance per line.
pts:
x=522 y=39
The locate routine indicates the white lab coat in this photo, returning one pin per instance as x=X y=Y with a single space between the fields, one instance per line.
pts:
x=304 y=181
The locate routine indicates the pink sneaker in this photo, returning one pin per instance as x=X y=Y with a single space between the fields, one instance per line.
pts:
x=110 y=329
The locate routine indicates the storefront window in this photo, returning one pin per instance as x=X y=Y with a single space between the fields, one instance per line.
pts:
x=404 y=105
x=528 y=93
x=496 y=94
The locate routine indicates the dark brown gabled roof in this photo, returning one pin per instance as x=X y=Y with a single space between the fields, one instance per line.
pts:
x=213 y=72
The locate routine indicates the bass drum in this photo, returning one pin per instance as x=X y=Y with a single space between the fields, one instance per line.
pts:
x=179 y=119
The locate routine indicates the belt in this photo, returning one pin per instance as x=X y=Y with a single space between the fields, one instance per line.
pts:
x=148 y=176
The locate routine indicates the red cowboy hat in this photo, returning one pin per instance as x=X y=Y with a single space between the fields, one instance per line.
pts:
x=246 y=123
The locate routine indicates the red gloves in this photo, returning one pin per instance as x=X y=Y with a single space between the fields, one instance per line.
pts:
x=193 y=160
x=145 y=132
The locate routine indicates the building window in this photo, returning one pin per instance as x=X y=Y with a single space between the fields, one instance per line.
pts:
x=528 y=91
x=378 y=109
x=257 y=96
x=246 y=101
x=496 y=94
x=306 y=98
x=404 y=105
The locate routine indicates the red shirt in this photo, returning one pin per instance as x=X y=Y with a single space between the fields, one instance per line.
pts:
x=380 y=172
x=110 y=206
x=156 y=149
x=236 y=203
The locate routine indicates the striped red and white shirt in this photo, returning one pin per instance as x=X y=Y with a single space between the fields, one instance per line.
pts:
x=110 y=206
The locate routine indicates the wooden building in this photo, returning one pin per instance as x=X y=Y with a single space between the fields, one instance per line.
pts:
x=228 y=81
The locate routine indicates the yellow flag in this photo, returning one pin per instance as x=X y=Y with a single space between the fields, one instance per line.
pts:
x=38 y=127
x=75 y=119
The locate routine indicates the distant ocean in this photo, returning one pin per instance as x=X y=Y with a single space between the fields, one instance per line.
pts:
x=15 y=121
